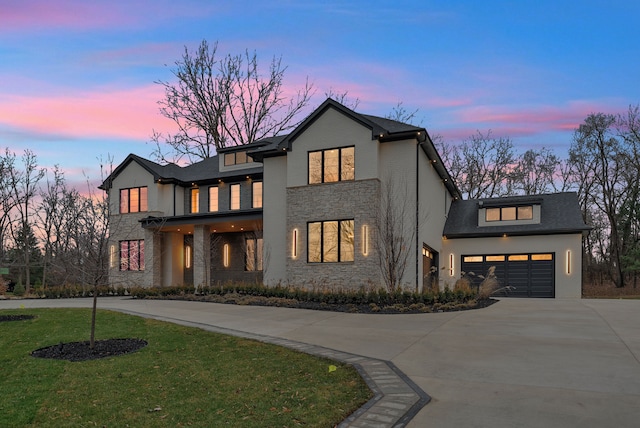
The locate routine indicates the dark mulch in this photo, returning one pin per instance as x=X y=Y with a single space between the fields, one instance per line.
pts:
x=16 y=317
x=236 y=299
x=80 y=351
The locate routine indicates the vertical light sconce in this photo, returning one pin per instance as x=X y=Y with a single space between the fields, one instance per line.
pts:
x=225 y=255
x=187 y=256
x=112 y=256
x=568 y=262
x=451 y=266
x=365 y=240
x=294 y=244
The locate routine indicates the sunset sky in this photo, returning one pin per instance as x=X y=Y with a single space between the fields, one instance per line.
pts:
x=77 y=77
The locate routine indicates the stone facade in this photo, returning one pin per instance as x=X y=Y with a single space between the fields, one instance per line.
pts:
x=357 y=200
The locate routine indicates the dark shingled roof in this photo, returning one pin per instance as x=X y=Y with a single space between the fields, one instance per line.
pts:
x=201 y=172
x=559 y=213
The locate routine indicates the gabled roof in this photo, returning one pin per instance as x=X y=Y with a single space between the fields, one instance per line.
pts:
x=382 y=130
x=206 y=170
x=559 y=213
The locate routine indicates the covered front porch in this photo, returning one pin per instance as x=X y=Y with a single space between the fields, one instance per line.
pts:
x=203 y=249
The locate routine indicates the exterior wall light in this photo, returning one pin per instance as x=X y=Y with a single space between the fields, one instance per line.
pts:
x=294 y=244
x=568 y=262
x=365 y=240
x=451 y=265
x=225 y=255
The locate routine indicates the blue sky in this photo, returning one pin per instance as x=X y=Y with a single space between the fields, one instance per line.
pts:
x=77 y=77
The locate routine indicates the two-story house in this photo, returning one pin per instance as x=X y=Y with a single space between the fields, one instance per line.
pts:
x=316 y=207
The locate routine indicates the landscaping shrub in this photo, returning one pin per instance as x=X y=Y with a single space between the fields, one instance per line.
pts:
x=19 y=290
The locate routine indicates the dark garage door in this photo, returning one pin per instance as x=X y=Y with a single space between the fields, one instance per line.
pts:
x=519 y=275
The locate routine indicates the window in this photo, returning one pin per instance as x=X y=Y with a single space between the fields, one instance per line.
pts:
x=524 y=212
x=132 y=255
x=195 y=200
x=329 y=166
x=235 y=158
x=330 y=241
x=253 y=254
x=256 y=190
x=133 y=200
x=235 y=197
x=213 y=199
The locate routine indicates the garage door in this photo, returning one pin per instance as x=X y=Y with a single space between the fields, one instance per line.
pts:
x=519 y=275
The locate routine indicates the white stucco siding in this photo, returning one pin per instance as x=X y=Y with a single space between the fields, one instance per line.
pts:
x=275 y=220
x=568 y=282
x=332 y=130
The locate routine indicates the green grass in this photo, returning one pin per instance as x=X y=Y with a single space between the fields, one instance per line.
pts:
x=184 y=377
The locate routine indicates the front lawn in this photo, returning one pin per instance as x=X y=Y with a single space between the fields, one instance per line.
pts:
x=184 y=377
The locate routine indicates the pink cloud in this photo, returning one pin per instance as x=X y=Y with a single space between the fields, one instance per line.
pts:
x=119 y=113
x=81 y=15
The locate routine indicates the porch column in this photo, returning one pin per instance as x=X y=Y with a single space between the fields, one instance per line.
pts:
x=201 y=255
x=152 y=258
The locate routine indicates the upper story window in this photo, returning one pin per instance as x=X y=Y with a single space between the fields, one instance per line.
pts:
x=235 y=158
x=330 y=241
x=524 y=212
x=213 y=198
x=328 y=166
x=235 y=197
x=256 y=197
x=133 y=200
x=195 y=200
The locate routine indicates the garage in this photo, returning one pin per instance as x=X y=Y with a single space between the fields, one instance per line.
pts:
x=519 y=275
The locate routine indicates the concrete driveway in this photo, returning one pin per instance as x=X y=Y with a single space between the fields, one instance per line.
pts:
x=519 y=363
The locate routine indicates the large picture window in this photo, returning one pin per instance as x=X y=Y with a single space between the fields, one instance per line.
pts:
x=330 y=241
x=133 y=200
x=329 y=166
x=253 y=254
x=132 y=255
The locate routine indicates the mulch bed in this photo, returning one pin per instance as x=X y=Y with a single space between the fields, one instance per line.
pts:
x=80 y=351
x=16 y=317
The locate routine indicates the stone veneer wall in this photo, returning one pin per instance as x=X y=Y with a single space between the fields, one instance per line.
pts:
x=127 y=227
x=358 y=200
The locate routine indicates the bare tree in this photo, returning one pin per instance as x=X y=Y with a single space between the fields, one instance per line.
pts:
x=535 y=172
x=221 y=102
x=482 y=165
x=343 y=98
x=400 y=114
x=394 y=234
x=23 y=185
x=596 y=148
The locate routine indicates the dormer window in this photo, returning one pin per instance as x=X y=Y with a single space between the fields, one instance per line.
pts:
x=235 y=158
x=524 y=212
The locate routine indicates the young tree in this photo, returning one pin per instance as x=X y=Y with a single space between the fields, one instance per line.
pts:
x=221 y=102
x=394 y=233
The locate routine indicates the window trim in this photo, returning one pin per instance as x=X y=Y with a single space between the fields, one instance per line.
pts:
x=517 y=216
x=125 y=262
x=143 y=196
x=322 y=165
x=253 y=194
x=339 y=244
x=194 y=204
x=231 y=188
x=216 y=199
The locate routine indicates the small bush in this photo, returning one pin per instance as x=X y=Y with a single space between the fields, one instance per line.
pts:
x=19 y=290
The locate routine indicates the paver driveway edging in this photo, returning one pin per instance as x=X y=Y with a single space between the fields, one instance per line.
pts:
x=397 y=399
